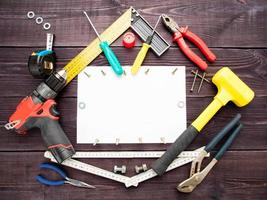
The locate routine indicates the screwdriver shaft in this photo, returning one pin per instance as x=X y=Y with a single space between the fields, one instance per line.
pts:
x=153 y=31
x=92 y=25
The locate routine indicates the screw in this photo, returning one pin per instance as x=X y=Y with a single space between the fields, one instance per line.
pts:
x=117 y=141
x=194 y=72
x=173 y=72
x=200 y=85
x=162 y=139
x=96 y=141
x=104 y=74
x=124 y=72
x=193 y=84
x=142 y=168
x=146 y=72
x=88 y=75
x=121 y=169
x=140 y=140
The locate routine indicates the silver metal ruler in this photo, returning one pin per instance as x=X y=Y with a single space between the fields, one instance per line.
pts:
x=184 y=158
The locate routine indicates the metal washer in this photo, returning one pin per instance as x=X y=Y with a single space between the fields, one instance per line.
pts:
x=39 y=20
x=30 y=14
x=47 y=26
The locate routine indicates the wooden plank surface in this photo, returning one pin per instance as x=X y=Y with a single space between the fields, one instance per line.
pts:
x=236 y=31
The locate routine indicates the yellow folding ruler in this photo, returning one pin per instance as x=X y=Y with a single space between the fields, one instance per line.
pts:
x=131 y=18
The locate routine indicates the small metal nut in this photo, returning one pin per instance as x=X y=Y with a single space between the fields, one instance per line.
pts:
x=30 y=14
x=121 y=169
x=47 y=26
x=39 y=20
x=142 y=168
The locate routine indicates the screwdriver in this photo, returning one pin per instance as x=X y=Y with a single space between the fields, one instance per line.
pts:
x=142 y=53
x=111 y=57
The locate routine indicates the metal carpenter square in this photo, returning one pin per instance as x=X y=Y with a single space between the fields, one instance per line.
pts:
x=144 y=29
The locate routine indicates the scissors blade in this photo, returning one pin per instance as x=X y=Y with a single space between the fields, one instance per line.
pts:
x=78 y=183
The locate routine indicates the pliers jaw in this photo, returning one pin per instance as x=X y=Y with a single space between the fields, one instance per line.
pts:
x=170 y=24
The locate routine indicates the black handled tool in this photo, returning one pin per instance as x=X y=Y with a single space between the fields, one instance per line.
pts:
x=38 y=111
x=232 y=129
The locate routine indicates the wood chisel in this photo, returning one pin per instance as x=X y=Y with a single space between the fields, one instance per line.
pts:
x=184 y=158
x=111 y=57
x=142 y=53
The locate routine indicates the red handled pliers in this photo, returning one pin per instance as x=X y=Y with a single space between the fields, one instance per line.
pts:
x=182 y=32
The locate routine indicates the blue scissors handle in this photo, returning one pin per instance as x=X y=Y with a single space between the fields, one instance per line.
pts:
x=54 y=168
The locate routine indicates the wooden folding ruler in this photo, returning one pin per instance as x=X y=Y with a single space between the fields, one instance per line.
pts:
x=184 y=158
x=131 y=18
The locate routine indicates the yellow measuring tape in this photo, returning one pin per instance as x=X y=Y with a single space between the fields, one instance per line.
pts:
x=86 y=56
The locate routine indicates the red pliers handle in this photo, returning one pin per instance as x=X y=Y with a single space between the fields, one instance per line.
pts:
x=182 y=32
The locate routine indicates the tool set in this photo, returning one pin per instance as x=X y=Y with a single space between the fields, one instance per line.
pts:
x=38 y=109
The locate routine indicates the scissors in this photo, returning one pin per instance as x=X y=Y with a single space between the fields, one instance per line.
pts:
x=41 y=179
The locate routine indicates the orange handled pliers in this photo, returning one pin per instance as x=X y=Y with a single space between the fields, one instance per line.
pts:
x=182 y=32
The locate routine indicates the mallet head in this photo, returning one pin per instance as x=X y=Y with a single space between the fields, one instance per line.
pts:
x=231 y=88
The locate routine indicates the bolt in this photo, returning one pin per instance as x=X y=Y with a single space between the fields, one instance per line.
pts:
x=142 y=168
x=121 y=169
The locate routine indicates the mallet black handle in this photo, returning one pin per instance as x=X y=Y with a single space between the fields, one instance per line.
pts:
x=161 y=164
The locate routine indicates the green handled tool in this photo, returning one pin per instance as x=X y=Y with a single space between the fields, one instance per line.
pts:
x=111 y=57
x=142 y=53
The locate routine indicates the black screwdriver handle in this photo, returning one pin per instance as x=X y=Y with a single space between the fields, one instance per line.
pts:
x=223 y=132
x=228 y=142
x=161 y=164
x=54 y=137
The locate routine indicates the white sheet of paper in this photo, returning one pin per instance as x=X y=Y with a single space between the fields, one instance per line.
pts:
x=148 y=107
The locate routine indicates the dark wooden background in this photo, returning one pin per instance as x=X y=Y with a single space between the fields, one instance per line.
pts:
x=234 y=29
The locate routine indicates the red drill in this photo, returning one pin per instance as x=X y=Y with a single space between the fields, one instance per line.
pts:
x=38 y=111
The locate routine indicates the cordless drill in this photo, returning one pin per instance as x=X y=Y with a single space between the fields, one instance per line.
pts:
x=38 y=110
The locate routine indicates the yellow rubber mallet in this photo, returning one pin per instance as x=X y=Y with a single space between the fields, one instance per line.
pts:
x=230 y=88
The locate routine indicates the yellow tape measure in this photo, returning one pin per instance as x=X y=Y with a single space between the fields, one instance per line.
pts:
x=86 y=56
